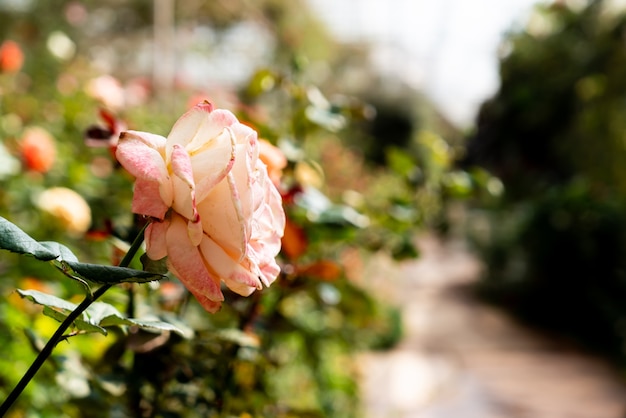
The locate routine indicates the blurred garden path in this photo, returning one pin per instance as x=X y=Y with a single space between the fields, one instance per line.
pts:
x=462 y=359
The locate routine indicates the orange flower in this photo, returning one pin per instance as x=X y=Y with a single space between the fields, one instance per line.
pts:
x=294 y=242
x=37 y=149
x=11 y=57
x=325 y=270
x=274 y=159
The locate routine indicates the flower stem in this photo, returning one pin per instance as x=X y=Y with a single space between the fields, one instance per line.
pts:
x=58 y=334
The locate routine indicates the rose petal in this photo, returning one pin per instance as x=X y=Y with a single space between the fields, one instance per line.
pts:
x=188 y=125
x=181 y=165
x=183 y=201
x=228 y=209
x=156 y=246
x=186 y=259
x=198 y=126
x=220 y=221
x=140 y=154
x=237 y=277
x=212 y=162
x=147 y=199
x=209 y=305
x=194 y=229
x=183 y=184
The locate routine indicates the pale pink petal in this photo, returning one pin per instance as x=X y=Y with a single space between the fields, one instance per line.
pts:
x=269 y=271
x=183 y=201
x=194 y=229
x=236 y=276
x=212 y=162
x=243 y=133
x=188 y=125
x=186 y=260
x=209 y=305
x=181 y=165
x=156 y=246
x=140 y=154
x=147 y=199
x=227 y=211
x=153 y=141
x=199 y=126
x=212 y=127
x=223 y=117
x=274 y=206
x=220 y=221
x=183 y=184
x=166 y=192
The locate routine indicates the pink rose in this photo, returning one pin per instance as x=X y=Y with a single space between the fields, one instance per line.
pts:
x=217 y=216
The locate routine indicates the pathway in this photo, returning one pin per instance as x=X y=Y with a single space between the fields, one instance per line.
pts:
x=462 y=359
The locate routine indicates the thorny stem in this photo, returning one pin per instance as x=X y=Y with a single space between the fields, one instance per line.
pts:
x=58 y=335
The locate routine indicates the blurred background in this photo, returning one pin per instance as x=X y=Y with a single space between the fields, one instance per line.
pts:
x=453 y=181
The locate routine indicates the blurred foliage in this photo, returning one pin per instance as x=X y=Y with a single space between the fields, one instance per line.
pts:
x=554 y=243
x=365 y=171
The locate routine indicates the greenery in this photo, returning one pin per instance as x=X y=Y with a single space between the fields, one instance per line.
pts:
x=72 y=76
x=554 y=135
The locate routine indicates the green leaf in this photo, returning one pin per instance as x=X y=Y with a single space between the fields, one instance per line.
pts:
x=154 y=266
x=81 y=324
x=101 y=313
x=64 y=252
x=156 y=325
x=97 y=316
x=183 y=329
x=45 y=299
x=58 y=309
x=110 y=274
x=15 y=240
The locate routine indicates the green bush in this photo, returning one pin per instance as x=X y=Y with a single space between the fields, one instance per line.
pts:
x=554 y=243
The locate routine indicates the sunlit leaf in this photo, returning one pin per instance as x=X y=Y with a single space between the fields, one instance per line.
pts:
x=15 y=240
x=81 y=323
x=98 y=316
x=46 y=299
x=59 y=309
x=156 y=325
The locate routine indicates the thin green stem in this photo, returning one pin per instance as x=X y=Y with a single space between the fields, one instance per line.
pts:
x=59 y=333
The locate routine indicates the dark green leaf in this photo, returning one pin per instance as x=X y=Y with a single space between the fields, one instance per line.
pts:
x=64 y=252
x=154 y=266
x=110 y=274
x=15 y=240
